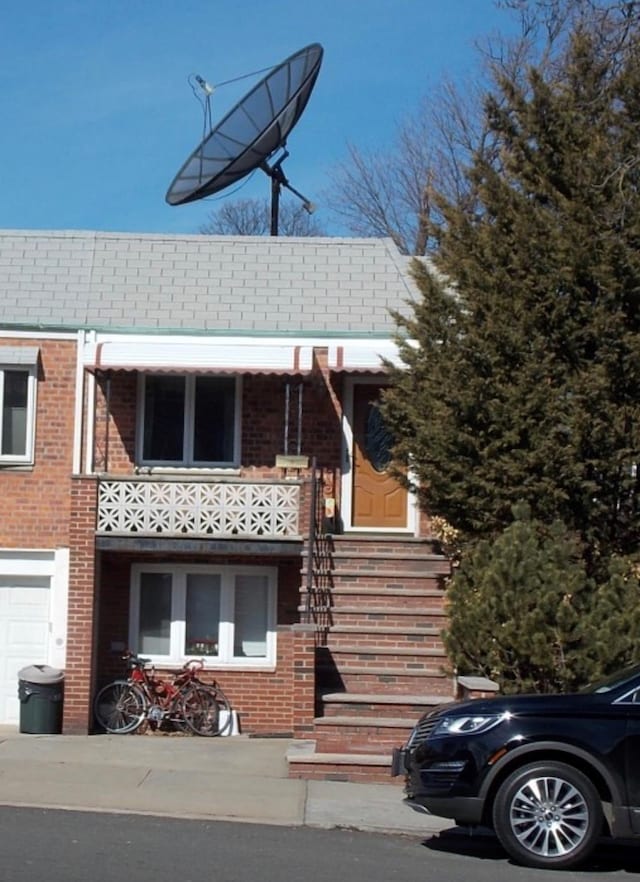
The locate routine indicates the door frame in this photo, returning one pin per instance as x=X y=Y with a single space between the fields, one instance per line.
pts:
x=346 y=487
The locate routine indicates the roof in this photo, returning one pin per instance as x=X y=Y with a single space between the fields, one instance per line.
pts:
x=150 y=283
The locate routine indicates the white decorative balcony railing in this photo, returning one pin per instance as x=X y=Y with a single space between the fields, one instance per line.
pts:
x=145 y=507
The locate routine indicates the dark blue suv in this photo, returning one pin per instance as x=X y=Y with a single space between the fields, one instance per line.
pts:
x=549 y=773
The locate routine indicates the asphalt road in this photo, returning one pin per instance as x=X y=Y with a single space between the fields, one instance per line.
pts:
x=39 y=845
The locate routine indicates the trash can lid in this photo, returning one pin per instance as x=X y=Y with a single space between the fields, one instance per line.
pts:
x=40 y=674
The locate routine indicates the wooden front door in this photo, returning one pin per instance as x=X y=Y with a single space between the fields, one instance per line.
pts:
x=378 y=501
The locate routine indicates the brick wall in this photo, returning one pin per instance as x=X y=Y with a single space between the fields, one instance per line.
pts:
x=35 y=500
x=115 y=429
x=279 y=701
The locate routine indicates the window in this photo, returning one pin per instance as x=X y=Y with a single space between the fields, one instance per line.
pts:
x=189 y=421
x=17 y=409
x=224 y=614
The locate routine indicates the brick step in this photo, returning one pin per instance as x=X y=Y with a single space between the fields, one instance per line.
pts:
x=363 y=769
x=419 y=632
x=428 y=563
x=365 y=735
x=375 y=654
x=376 y=617
x=392 y=590
x=379 y=704
x=376 y=537
x=378 y=710
x=384 y=610
x=436 y=612
x=375 y=568
x=385 y=637
x=399 y=682
x=382 y=542
x=400 y=623
x=391 y=577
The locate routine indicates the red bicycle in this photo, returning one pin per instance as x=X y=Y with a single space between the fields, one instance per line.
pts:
x=185 y=701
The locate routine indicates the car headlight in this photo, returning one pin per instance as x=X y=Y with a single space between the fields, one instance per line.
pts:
x=469 y=725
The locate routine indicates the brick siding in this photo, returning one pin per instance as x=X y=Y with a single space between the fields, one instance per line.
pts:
x=35 y=500
x=266 y=701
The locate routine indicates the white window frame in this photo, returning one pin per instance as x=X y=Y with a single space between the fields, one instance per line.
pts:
x=28 y=457
x=187 y=461
x=225 y=658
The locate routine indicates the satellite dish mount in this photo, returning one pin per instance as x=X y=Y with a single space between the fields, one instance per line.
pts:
x=278 y=181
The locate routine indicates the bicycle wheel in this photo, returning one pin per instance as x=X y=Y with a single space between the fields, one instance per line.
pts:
x=200 y=707
x=120 y=707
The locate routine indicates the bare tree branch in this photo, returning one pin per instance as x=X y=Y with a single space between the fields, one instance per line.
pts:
x=396 y=190
x=252 y=217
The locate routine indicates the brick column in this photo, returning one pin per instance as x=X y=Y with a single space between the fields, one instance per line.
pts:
x=82 y=606
x=303 y=696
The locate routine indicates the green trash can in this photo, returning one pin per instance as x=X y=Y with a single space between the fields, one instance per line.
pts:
x=40 y=690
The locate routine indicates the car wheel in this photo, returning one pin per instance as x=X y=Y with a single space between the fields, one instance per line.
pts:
x=547 y=814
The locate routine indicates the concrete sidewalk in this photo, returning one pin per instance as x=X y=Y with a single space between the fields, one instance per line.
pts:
x=233 y=779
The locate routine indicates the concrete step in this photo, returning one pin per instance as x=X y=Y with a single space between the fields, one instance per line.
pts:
x=357 y=768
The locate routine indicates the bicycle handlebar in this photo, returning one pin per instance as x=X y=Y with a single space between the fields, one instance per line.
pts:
x=136 y=661
x=194 y=664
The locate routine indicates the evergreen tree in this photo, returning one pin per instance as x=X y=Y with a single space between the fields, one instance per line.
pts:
x=522 y=379
x=516 y=609
x=610 y=630
x=525 y=383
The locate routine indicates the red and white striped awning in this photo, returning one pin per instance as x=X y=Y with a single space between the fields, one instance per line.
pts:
x=366 y=356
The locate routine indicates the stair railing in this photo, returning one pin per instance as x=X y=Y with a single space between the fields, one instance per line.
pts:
x=319 y=578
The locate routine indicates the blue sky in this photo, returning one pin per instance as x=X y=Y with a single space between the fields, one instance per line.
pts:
x=98 y=116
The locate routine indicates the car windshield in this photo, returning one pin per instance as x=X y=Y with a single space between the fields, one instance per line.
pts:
x=613 y=681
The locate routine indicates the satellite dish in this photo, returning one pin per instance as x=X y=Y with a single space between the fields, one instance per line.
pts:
x=250 y=133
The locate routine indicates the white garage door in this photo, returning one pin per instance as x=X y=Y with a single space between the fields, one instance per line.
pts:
x=24 y=635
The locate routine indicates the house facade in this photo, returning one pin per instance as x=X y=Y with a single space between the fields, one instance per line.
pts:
x=192 y=464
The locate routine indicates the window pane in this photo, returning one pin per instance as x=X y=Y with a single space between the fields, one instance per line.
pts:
x=214 y=419
x=202 y=614
x=154 y=633
x=164 y=419
x=14 y=413
x=378 y=439
x=250 y=617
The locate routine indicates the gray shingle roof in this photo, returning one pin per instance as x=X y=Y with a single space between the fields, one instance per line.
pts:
x=171 y=283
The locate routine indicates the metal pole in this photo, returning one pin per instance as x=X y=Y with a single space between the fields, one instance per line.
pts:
x=299 y=450
x=108 y=418
x=275 y=204
x=287 y=393
x=313 y=528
